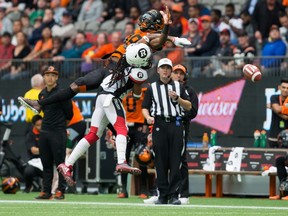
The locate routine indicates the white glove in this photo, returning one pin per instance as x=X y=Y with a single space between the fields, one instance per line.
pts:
x=180 y=42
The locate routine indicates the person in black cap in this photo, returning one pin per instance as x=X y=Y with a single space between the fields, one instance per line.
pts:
x=53 y=136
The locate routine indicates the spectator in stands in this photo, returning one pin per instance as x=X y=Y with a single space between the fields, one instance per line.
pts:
x=15 y=9
x=281 y=163
x=263 y=10
x=193 y=12
x=78 y=48
x=284 y=27
x=34 y=169
x=6 y=52
x=217 y=22
x=87 y=66
x=65 y=29
x=17 y=27
x=56 y=46
x=22 y=49
x=116 y=23
x=179 y=25
x=224 y=67
x=249 y=6
x=244 y=53
x=203 y=10
x=58 y=10
x=26 y=26
x=193 y=36
x=108 y=48
x=273 y=47
x=43 y=46
x=90 y=11
x=48 y=21
x=279 y=118
x=234 y=22
x=208 y=46
x=134 y=15
x=129 y=29
x=37 y=84
x=39 y=12
x=247 y=25
x=5 y=23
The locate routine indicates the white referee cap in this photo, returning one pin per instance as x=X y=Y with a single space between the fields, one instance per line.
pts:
x=165 y=61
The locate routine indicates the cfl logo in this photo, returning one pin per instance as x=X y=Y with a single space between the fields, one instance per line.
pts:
x=142 y=53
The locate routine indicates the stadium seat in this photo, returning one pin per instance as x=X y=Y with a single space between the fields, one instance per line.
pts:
x=107 y=26
x=91 y=38
x=92 y=27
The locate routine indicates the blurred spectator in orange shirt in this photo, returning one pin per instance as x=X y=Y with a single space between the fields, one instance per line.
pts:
x=87 y=66
x=43 y=46
x=179 y=25
x=110 y=47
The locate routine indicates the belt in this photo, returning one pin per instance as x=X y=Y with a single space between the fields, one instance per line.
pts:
x=169 y=118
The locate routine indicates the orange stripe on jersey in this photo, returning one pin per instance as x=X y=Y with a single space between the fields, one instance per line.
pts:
x=133 y=107
x=83 y=88
x=77 y=115
x=133 y=38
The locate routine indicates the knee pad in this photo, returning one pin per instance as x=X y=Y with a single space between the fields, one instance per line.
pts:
x=91 y=137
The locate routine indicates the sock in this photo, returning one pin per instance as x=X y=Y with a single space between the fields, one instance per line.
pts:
x=121 y=143
x=62 y=95
x=77 y=152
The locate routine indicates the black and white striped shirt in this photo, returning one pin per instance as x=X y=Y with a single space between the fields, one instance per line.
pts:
x=158 y=101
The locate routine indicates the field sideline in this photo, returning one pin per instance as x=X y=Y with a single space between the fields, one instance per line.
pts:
x=107 y=204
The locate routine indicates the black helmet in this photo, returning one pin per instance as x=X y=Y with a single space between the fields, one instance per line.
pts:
x=151 y=21
x=143 y=155
x=283 y=139
x=283 y=188
x=10 y=185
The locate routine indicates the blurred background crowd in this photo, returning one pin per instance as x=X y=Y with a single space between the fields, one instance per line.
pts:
x=233 y=32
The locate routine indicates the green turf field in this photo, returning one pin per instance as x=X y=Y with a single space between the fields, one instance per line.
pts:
x=102 y=205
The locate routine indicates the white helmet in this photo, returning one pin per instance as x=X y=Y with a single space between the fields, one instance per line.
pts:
x=138 y=55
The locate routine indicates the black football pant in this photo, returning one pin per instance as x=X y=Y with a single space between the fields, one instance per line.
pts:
x=281 y=170
x=52 y=147
x=168 y=144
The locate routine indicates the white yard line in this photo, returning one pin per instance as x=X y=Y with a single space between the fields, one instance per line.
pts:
x=138 y=204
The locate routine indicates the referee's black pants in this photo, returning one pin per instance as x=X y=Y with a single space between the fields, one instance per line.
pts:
x=168 y=144
x=52 y=147
x=281 y=170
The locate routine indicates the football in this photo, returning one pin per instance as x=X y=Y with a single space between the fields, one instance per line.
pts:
x=252 y=73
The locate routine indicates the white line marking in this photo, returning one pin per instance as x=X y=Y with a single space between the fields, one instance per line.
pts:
x=139 y=204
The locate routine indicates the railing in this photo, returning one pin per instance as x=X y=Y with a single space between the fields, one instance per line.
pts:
x=197 y=66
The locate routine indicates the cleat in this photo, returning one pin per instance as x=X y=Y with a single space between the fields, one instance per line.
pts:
x=151 y=200
x=59 y=195
x=143 y=196
x=123 y=195
x=125 y=168
x=184 y=200
x=30 y=104
x=277 y=197
x=43 y=196
x=66 y=172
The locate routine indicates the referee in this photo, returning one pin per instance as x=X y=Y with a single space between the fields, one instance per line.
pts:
x=163 y=106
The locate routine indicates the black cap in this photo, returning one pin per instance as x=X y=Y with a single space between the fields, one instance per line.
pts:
x=243 y=34
x=67 y=13
x=6 y=34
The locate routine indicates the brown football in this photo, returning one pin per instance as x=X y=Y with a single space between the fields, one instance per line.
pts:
x=252 y=73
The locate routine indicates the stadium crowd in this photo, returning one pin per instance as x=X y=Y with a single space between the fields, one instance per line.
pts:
x=91 y=29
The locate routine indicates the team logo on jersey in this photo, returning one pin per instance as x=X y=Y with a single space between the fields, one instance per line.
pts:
x=142 y=53
x=140 y=75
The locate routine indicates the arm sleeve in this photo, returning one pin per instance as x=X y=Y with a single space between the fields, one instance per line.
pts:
x=68 y=109
x=147 y=102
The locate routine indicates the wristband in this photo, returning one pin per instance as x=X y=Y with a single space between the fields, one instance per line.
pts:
x=146 y=39
x=165 y=29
